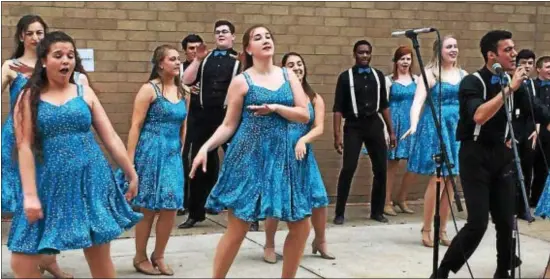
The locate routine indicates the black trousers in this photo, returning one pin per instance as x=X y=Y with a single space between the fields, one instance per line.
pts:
x=526 y=155
x=488 y=180
x=186 y=159
x=368 y=131
x=206 y=121
x=540 y=172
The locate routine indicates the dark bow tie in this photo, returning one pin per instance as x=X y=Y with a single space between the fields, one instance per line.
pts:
x=220 y=52
x=364 y=70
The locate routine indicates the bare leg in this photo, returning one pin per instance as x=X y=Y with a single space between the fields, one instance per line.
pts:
x=294 y=247
x=163 y=228
x=392 y=169
x=319 y=222
x=25 y=266
x=429 y=208
x=143 y=231
x=408 y=179
x=269 y=248
x=100 y=262
x=229 y=245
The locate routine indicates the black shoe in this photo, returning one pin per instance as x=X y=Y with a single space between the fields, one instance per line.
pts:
x=517 y=261
x=255 y=226
x=441 y=274
x=501 y=274
x=526 y=217
x=338 y=220
x=189 y=223
x=181 y=212
x=211 y=212
x=380 y=218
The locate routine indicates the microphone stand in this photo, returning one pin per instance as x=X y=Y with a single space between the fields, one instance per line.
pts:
x=515 y=233
x=443 y=157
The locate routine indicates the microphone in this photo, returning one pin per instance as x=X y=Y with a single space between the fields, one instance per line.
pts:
x=498 y=69
x=414 y=31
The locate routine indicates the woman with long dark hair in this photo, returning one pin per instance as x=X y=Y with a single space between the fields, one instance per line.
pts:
x=255 y=181
x=71 y=201
x=15 y=73
x=155 y=143
x=305 y=171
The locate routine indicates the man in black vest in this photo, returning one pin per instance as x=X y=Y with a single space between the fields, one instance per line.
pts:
x=212 y=72
x=189 y=45
x=360 y=98
x=487 y=168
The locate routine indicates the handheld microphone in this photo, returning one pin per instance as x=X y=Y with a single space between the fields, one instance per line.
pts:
x=498 y=69
x=414 y=31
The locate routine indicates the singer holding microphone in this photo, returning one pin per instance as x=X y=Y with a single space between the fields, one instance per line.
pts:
x=487 y=168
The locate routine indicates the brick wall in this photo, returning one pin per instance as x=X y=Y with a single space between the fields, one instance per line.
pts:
x=124 y=34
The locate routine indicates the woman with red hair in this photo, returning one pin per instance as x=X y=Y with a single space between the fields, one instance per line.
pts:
x=401 y=87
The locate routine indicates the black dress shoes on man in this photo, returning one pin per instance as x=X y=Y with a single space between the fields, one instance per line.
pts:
x=338 y=220
x=189 y=223
x=380 y=218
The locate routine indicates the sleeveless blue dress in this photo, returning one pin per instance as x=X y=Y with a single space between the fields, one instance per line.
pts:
x=157 y=158
x=401 y=99
x=81 y=202
x=11 y=182
x=543 y=207
x=255 y=178
x=425 y=142
x=306 y=177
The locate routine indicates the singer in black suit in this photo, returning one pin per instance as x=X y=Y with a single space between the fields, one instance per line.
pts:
x=487 y=168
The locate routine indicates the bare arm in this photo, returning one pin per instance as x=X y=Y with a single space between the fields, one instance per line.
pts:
x=300 y=111
x=108 y=135
x=184 y=125
x=7 y=75
x=319 y=124
x=24 y=136
x=142 y=102
x=190 y=73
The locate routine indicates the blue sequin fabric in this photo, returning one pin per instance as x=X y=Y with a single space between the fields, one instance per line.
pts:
x=81 y=202
x=157 y=158
x=401 y=98
x=254 y=181
x=10 y=169
x=543 y=207
x=425 y=142
x=306 y=177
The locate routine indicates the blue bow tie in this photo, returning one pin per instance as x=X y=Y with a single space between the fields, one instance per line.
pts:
x=364 y=70
x=497 y=80
x=544 y=83
x=220 y=52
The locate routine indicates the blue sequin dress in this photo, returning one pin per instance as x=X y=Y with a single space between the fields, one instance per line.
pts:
x=543 y=207
x=157 y=158
x=11 y=182
x=254 y=181
x=10 y=168
x=401 y=99
x=306 y=177
x=425 y=142
x=81 y=203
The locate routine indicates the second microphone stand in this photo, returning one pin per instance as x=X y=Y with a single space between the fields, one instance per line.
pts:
x=443 y=157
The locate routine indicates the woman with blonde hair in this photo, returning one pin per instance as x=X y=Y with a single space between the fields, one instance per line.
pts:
x=425 y=141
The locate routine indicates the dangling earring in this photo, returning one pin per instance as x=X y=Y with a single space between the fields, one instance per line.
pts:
x=250 y=53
